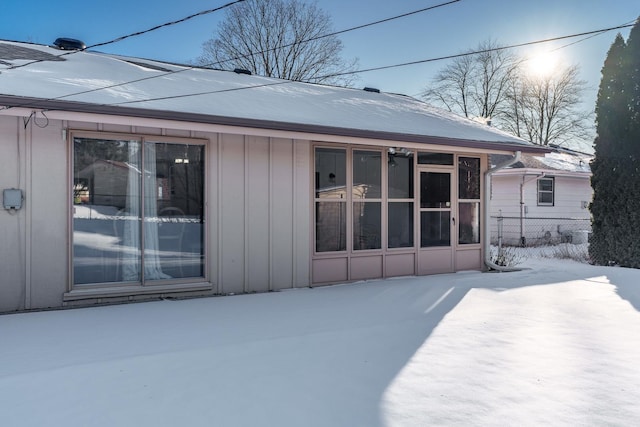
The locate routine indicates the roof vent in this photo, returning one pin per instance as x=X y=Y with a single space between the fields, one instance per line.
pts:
x=242 y=71
x=64 y=43
x=371 y=89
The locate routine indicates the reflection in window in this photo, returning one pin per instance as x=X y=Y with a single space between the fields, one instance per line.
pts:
x=367 y=225
x=435 y=228
x=331 y=173
x=435 y=190
x=469 y=222
x=366 y=174
x=469 y=178
x=469 y=206
x=400 y=225
x=425 y=158
x=331 y=226
x=400 y=177
x=120 y=185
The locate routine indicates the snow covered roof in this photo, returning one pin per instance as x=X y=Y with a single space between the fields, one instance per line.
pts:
x=559 y=160
x=101 y=83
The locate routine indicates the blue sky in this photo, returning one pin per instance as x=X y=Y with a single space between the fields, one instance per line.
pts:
x=443 y=31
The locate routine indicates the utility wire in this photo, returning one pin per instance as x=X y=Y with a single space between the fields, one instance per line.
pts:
x=476 y=52
x=230 y=59
x=335 y=33
x=167 y=24
x=630 y=23
x=335 y=74
x=596 y=32
x=138 y=33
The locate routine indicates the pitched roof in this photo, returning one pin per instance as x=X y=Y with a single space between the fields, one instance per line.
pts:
x=95 y=82
x=559 y=160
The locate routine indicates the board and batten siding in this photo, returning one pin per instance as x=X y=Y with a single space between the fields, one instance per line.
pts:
x=33 y=262
x=263 y=213
x=258 y=210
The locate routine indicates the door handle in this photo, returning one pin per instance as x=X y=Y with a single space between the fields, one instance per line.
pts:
x=454 y=220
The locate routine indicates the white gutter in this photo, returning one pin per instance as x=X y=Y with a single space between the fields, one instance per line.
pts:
x=487 y=213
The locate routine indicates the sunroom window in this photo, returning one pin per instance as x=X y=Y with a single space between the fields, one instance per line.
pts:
x=400 y=206
x=468 y=200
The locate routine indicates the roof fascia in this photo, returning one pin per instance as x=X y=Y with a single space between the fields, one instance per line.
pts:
x=550 y=172
x=49 y=105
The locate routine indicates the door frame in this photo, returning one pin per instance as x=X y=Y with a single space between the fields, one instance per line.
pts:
x=436 y=259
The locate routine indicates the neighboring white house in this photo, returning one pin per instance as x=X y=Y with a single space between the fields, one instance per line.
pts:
x=541 y=200
x=129 y=179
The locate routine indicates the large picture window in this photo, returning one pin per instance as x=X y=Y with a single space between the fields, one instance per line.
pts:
x=138 y=211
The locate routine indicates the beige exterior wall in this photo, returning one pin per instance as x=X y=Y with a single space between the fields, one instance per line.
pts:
x=33 y=271
x=263 y=213
x=258 y=220
x=257 y=213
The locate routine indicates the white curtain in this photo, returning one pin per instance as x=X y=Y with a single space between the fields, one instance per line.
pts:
x=131 y=257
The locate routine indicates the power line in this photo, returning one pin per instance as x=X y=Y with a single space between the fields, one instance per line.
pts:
x=630 y=23
x=137 y=33
x=167 y=24
x=423 y=61
x=330 y=75
x=335 y=33
x=384 y=67
x=230 y=59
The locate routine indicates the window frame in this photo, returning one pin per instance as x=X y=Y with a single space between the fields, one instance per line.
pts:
x=149 y=285
x=468 y=201
x=540 y=191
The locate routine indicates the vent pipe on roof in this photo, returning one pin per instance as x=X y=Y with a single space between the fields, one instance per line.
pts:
x=371 y=89
x=64 y=43
x=242 y=71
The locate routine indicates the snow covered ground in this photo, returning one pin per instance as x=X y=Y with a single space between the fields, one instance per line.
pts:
x=558 y=344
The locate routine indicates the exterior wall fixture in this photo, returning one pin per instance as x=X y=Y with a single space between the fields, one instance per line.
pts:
x=12 y=199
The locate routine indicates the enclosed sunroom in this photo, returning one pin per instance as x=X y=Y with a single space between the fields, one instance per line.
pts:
x=140 y=180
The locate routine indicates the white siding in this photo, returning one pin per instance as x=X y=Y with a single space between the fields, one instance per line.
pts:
x=571 y=193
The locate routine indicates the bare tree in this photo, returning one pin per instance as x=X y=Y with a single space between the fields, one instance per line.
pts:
x=490 y=83
x=279 y=38
x=545 y=109
x=475 y=85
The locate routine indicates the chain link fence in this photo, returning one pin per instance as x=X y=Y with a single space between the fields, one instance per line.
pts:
x=534 y=231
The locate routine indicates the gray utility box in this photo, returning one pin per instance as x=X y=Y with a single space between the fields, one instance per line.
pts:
x=12 y=198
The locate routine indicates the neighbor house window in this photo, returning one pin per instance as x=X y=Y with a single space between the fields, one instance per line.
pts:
x=138 y=210
x=468 y=200
x=545 y=191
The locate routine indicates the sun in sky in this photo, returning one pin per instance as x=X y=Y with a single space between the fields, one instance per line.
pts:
x=542 y=63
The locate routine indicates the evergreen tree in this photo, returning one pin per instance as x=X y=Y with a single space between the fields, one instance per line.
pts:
x=616 y=168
